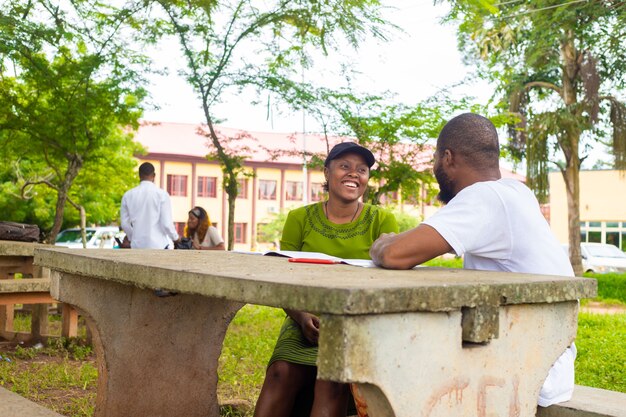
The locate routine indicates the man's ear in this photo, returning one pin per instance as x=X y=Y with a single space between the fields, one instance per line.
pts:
x=448 y=157
x=326 y=173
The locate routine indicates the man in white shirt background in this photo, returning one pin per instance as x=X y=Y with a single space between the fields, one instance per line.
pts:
x=146 y=213
x=494 y=223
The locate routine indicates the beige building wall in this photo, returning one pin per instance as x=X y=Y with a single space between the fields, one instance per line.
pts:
x=250 y=210
x=602 y=202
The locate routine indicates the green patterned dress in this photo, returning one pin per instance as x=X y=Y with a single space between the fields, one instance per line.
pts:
x=307 y=229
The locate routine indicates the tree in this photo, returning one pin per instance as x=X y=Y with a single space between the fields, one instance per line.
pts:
x=559 y=68
x=69 y=96
x=232 y=44
x=401 y=136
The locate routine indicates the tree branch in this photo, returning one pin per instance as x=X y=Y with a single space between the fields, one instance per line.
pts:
x=544 y=84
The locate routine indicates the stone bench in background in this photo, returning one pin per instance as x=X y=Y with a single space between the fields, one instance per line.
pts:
x=588 y=402
x=33 y=291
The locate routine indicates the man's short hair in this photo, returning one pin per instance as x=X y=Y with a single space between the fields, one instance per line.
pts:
x=146 y=169
x=472 y=136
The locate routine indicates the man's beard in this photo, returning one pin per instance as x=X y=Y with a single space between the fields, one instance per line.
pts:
x=446 y=186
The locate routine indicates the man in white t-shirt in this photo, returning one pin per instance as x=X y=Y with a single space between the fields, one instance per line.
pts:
x=146 y=213
x=494 y=223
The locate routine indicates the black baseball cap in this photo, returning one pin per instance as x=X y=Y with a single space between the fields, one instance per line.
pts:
x=350 y=147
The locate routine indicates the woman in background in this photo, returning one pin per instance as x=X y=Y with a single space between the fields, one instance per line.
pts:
x=203 y=234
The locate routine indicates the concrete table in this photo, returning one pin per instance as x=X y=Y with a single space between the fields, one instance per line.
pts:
x=425 y=342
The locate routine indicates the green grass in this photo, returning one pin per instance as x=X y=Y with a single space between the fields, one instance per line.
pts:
x=45 y=374
x=601 y=343
x=247 y=348
x=611 y=287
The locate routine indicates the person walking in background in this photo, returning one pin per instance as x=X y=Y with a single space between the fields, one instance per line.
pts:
x=341 y=226
x=494 y=223
x=203 y=234
x=146 y=213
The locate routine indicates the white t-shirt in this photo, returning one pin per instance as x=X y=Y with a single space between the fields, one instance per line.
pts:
x=146 y=217
x=212 y=238
x=498 y=226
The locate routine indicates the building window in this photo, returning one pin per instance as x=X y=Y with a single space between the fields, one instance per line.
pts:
x=240 y=232
x=611 y=232
x=267 y=190
x=207 y=187
x=177 y=185
x=180 y=227
x=317 y=191
x=242 y=188
x=293 y=190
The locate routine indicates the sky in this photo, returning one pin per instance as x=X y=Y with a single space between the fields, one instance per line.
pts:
x=414 y=65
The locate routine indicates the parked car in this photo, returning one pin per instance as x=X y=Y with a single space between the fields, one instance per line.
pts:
x=602 y=258
x=97 y=237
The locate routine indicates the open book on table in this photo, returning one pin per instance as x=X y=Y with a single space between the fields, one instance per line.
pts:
x=316 y=257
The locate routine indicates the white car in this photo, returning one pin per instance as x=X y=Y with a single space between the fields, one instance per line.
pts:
x=602 y=258
x=97 y=237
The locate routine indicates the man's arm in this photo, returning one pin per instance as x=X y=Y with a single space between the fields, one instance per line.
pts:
x=410 y=248
x=167 y=224
x=125 y=221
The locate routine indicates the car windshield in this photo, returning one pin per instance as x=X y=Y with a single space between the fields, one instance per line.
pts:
x=606 y=251
x=73 y=236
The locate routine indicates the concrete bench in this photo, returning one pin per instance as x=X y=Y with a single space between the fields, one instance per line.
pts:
x=588 y=402
x=14 y=405
x=17 y=258
x=429 y=342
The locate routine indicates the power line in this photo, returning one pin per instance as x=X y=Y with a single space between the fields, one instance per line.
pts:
x=544 y=8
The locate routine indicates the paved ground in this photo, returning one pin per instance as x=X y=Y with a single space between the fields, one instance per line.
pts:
x=601 y=308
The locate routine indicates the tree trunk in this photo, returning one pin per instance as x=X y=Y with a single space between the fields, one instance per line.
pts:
x=231 y=220
x=73 y=168
x=83 y=226
x=569 y=145
x=572 y=187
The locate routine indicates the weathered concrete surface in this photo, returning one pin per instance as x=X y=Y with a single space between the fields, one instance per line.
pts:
x=13 y=405
x=399 y=333
x=588 y=402
x=333 y=289
x=419 y=363
x=156 y=356
x=25 y=285
x=14 y=248
x=25 y=291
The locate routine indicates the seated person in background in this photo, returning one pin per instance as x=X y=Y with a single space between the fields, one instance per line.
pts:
x=494 y=223
x=341 y=226
x=203 y=234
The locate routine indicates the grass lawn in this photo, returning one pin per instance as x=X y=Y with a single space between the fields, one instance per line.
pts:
x=63 y=376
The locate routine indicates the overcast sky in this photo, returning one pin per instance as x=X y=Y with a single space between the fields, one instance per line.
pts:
x=414 y=65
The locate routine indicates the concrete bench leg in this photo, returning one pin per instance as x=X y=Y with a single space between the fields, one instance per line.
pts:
x=415 y=364
x=156 y=356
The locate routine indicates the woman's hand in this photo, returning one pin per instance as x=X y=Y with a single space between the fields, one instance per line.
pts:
x=195 y=245
x=309 y=323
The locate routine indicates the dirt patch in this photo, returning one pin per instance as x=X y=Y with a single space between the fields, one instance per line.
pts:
x=602 y=308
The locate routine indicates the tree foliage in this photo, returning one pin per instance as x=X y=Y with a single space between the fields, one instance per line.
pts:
x=235 y=44
x=559 y=68
x=69 y=96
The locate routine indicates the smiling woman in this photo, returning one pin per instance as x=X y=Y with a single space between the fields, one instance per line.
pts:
x=341 y=226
